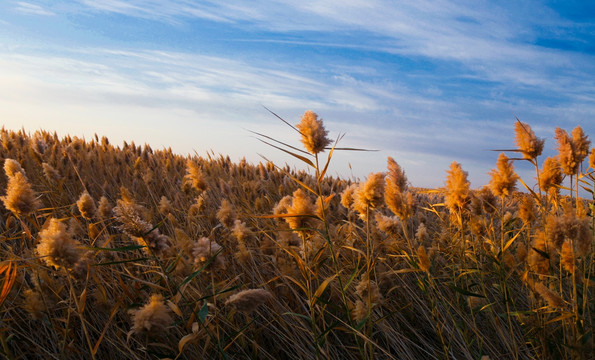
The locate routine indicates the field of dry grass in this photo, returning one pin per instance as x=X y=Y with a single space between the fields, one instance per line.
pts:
x=132 y=253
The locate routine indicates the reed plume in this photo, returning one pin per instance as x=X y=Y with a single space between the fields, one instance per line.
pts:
x=247 y=301
x=566 y=152
x=314 y=135
x=153 y=318
x=530 y=145
x=369 y=194
x=11 y=167
x=57 y=247
x=503 y=178
x=86 y=206
x=457 y=187
x=20 y=197
x=550 y=177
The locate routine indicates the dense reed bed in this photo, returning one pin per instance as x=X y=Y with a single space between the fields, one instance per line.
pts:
x=133 y=253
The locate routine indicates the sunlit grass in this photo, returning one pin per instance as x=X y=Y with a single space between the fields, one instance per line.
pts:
x=133 y=253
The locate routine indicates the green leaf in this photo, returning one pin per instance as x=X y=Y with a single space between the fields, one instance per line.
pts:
x=298 y=315
x=465 y=292
x=121 y=262
x=203 y=312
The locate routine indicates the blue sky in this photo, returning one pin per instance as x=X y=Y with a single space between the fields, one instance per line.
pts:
x=426 y=82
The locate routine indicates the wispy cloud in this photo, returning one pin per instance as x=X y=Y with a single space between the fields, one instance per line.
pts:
x=32 y=9
x=437 y=80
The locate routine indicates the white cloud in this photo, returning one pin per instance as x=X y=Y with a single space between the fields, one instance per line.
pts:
x=209 y=100
x=32 y=9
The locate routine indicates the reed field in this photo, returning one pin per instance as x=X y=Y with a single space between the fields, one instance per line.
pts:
x=125 y=252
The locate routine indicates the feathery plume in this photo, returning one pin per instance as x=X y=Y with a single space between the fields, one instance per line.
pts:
x=347 y=196
x=12 y=167
x=368 y=290
x=247 y=301
x=301 y=204
x=553 y=299
x=127 y=214
x=369 y=194
x=131 y=223
x=20 y=197
x=550 y=177
x=104 y=210
x=530 y=145
x=388 y=224
x=503 y=181
x=194 y=176
x=360 y=311
x=314 y=136
x=424 y=260
x=396 y=198
x=57 y=247
x=34 y=304
x=50 y=172
x=567 y=257
x=226 y=214
x=580 y=144
x=539 y=260
x=527 y=211
x=457 y=187
x=165 y=206
x=86 y=206
x=153 y=318
x=204 y=250
x=566 y=152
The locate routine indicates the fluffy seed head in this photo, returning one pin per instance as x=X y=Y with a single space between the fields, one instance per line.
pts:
x=127 y=213
x=457 y=187
x=396 y=176
x=34 y=304
x=314 y=136
x=580 y=143
x=226 y=214
x=20 y=197
x=368 y=290
x=57 y=247
x=104 y=210
x=204 y=250
x=537 y=260
x=566 y=152
x=369 y=194
x=165 y=206
x=424 y=260
x=194 y=176
x=301 y=204
x=347 y=196
x=50 y=172
x=503 y=181
x=527 y=211
x=153 y=318
x=12 y=167
x=530 y=145
x=553 y=299
x=550 y=176
x=247 y=301
x=86 y=205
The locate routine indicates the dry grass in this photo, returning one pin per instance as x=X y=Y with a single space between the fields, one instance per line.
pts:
x=126 y=252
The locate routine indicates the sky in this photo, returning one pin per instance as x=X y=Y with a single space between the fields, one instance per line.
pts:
x=425 y=82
